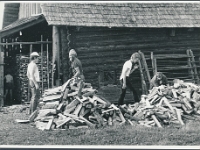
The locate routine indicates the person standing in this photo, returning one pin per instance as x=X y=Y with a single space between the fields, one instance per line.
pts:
x=9 y=84
x=34 y=79
x=77 y=71
x=125 y=79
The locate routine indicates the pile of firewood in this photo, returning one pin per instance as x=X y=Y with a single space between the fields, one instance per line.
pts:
x=60 y=111
x=166 y=105
x=61 y=108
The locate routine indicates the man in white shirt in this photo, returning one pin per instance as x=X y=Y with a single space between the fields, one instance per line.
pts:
x=34 y=79
x=124 y=78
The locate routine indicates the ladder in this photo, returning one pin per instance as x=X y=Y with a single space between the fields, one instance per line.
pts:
x=192 y=66
x=144 y=73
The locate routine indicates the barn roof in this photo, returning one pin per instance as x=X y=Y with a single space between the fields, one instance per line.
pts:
x=123 y=14
x=22 y=24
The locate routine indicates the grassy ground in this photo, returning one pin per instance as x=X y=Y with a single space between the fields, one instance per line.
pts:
x=13 y=133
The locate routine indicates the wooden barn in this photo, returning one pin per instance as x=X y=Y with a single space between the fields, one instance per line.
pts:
x=104 y=36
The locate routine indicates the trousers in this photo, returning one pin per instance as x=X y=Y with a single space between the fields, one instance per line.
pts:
x=35 y=95
x=123 y=92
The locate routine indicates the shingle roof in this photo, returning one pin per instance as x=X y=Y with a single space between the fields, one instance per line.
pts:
x=21 y=24
x=123 y=14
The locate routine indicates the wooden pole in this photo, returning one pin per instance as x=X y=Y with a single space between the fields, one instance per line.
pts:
x=47 y=65
x=65 y=58
x=42 y=63
x=1 y=75
x=152 y=62
x=56 y=48
x=30 y=51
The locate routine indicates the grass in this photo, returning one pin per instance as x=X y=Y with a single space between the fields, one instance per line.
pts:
x=13 y=133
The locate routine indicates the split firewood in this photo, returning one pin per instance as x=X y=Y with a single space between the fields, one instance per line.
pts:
x=89 y=94
x=45 y=118
x=48 y=127
x=82 y=100
x=52 y=98
x=33 y=115
x=178 y=113
x=155 y=99
x=72 y=94
x=77 y=109
x=156 y=121
x=187 y=104
x=78 y=127
x=131 y=117
x=196 y=96
x=86 y=111
x=121 y=116
x=108 y=110
x=174 y=93
x=60 y=106
x=65 y=94
x=50 y=105
x=161 y=116
x=168 y=104
x=174 y=104
x=141 y=123
x=130 y=122
x=99 y=118
x=75 y=102
x=88 y=122
x=110 y=123
x=71 y=109
x=99 y=100
x=41 y=125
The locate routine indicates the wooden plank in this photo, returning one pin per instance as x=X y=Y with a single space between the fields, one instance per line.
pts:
x=26 y=43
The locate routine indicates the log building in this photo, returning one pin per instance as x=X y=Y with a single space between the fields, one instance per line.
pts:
x=104 y=36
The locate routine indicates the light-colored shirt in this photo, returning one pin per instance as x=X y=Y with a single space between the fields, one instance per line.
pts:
x=31 y=66
x=127 y=64
x=9 y=78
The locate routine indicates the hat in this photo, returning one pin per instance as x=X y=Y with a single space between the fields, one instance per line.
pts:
x=34 y=54
x=73 y=53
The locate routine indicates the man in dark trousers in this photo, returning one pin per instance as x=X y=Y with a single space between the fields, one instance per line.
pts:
x=125 y=79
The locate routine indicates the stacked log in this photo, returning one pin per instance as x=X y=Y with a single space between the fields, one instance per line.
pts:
x=61 y=108
x=165 y=105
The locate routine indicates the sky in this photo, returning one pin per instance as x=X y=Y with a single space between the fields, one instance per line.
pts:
x=1 y=13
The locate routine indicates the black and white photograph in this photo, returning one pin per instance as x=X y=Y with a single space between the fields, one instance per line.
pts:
x=100 y=74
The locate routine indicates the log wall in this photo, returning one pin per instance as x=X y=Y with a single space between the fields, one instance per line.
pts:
x=106 y=49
